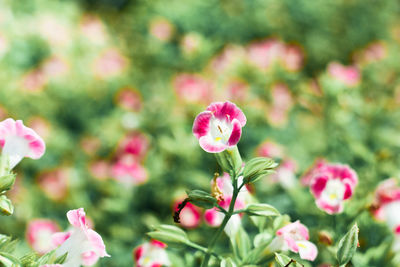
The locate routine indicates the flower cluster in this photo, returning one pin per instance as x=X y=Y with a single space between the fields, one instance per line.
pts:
x=331 y=184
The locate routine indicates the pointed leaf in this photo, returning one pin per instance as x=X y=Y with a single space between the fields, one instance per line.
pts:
x=347 y=245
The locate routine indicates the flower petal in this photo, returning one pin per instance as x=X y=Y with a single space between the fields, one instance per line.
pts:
x=77 y=217
x=318 y=185
x=209 y=145
x=307 y=250
x=97 y=243
x=224 y=110
x=201 y=124
x=236 y=133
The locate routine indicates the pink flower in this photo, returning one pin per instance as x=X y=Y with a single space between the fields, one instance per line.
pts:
x=90 y=144
x=219 y=127
x=151 y=254
x=128 y=171
x=189 y=216
x=292 y=57
x=387 y=202
x=282 y=102
x=41 y=126
x=34 y=80
x=236 y=90
x=161 y=29
x=222 y=187
x=129 y=99
x=55 y=67
x=331 y=185
x=285 y=174
x=270 y=149
x=192 y=88
x=92 y=28
x=111 y=63
x=190 y=43
x=294 y=237
x=264 y=54
x=54 y=183
x=349 y=75
x=99 y=169
x=83 y=245
x=18 y=141
x=228 y=59
x=135 y=144
x=318 y=166
x=39 y=235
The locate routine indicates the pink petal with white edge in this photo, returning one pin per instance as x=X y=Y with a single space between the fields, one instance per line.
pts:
x=307 y=250
x=201 y=124
x=213 y=217
x=236 y=133
x=224 y=110
x=209 y=145
x=77 y=217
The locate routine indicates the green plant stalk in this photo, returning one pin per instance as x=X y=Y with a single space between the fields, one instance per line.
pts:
x=228 y=215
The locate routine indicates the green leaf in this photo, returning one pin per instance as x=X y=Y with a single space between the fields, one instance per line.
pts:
x=285 y=261
x=242 y=242
x=8 y=260
x=261 y=209
x=257 y=168
x=228 y=262
x=169 y=234
x=347 y=245
x=6 y=207
x=61 y=259
x=201 y=199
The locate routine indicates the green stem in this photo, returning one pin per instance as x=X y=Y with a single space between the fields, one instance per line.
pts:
x=228 y=215
x=203 y=249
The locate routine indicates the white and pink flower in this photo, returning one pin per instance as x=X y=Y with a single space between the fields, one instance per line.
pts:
x=193 y=89
x=129 y=99
x=151 y=254
x=294 y=237
x=161 y=29
x=223 y=189
x=39 y=235
x=387 y=204
x=54 y=183
x=18 y=141
x=135 y=144
x=83 y=245
x=331 y=185
x=219 y=127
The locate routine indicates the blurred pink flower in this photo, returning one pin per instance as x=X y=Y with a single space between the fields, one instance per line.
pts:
x=18 y=141
x=292 y=57
x=230 y=57
x=93 y=29
x=151 y=254
x=236 y=91
x=282 y=102
x=161 y=29
x=349 y=75
x=331 y=185
x=190 y=215
x=373 y=52
x=129 y=99
x=265 y=53
x=285 y=174
x=192 y=89
x=219 y=127
x=294 y=237
x=90 y=144
x=190 y=43
x=387 y=203
x=109 y=64
x=83 y=245
x=318 y=166
x=54 y=183
x=270 y=149
x=39 y=235
x=55 y=67
x=128 y=171
x=34 y=80
x=135 y=144
x=100 y=169
x=54 y=30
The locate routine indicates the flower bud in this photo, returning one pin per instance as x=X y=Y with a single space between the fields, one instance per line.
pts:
x=6 y=182
x=230 y=159
x=6 y=207
x=257 y=168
